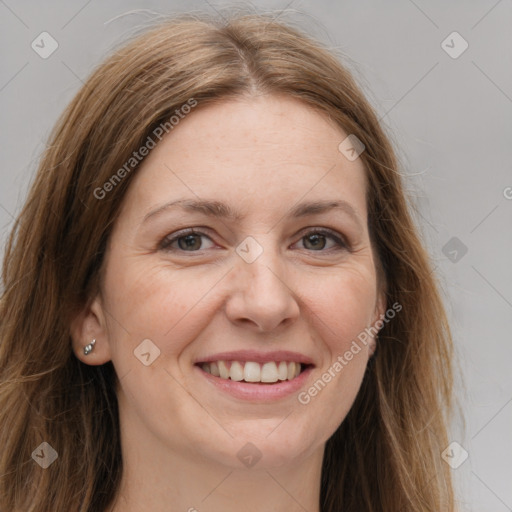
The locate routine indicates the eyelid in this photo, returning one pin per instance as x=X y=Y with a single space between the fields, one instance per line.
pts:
x=173 y=237
x=340 y=240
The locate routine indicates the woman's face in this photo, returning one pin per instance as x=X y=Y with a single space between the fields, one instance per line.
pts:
x=267 y=278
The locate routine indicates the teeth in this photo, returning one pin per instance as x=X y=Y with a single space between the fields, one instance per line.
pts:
x=223 y=370
x=269 y=372
x=214 y=369
x=253 y=372
x=282 y=371
x=236 y=372
x=291 y=370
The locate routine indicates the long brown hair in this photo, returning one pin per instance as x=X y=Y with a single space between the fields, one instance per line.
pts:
x=385 y=456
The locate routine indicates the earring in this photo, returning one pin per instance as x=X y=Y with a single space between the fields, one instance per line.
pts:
x=88 y=348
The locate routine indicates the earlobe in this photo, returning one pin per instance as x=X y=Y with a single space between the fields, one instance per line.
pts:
x=89 y=335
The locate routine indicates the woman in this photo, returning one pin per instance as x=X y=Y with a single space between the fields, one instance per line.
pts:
x=215 y=297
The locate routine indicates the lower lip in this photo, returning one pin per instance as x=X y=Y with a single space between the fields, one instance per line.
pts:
x=258 y=392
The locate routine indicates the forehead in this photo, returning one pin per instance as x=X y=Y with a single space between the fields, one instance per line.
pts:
x=265 y=152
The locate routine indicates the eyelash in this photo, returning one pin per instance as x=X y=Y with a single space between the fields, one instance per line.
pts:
x=169 y=240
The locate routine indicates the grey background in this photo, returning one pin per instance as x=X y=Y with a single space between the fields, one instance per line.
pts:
x=450 y=119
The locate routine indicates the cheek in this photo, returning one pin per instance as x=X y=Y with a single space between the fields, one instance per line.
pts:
x=156 y=302
x=342 y=310
x=344 y=306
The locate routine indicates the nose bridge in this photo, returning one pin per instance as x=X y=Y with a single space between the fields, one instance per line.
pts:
x=261 y=259
x=262 y=294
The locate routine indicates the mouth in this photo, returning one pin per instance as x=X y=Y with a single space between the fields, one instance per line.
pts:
x=254 y=376
x=253 y=372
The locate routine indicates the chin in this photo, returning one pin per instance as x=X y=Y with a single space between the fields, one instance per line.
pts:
x=257 y=446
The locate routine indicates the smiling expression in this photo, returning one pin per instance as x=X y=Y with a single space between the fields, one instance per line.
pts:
x=279 y=269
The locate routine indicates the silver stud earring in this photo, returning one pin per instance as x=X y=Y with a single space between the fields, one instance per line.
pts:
x=88 y=348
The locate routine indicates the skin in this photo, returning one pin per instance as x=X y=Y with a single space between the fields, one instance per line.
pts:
x=180 y=435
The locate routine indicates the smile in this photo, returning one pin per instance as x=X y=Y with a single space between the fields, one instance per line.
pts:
x=251 y=371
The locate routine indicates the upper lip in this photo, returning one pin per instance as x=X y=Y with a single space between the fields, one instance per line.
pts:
x=257 y=356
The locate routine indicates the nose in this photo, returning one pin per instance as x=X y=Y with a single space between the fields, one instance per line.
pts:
x=262 y=295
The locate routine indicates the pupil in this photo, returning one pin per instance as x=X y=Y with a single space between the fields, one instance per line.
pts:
x=316 y=238
x=189 y=242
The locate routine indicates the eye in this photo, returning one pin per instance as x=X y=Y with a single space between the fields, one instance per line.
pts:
x=316 y=240
x=187 y=240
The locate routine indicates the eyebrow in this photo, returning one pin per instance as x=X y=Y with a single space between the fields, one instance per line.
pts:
x=223 y=211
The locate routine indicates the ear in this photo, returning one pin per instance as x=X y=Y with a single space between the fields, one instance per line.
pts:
x=90 y=325
x=378 y=315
